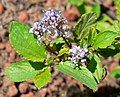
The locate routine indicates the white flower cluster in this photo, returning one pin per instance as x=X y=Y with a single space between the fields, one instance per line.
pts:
x=78 y=54
x=52 y=22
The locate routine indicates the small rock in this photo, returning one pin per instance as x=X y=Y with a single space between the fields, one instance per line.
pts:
x=1 y=95
x=23 y=16
x=30 y=81
x=72 y=13
x=53 y=3
x=1 y=8
x=58 y=82
x=107 y=3
x=112 y=66
x=10 y=60
x=30 y=94
x=23 y=87
x=53 y=88
x=41 y=93
x=70 y=80
x=12 y=91
x=2 y=46
x=8 y=47
x=35 y=16
x=12 y=56
x=12 y=53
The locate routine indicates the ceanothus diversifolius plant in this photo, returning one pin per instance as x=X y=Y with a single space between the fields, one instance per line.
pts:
x=51 y=42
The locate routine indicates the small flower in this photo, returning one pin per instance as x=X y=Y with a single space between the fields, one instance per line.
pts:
x=78 y=54
x=52 y=23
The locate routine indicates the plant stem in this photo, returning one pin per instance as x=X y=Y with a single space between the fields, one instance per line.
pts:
x=49 y=49
x=69 y=45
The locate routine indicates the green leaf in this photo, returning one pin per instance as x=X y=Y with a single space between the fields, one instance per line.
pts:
x=42 y=78
x=96 y=68
x=88 y=8
x=23 y=70
x=82 y=74
x=108 y=52
x=81 y=9
x=97 y=9
x=63 y=51
x=91 y=36
x=104 y=26
x=25 y=43
x=76 y=2
x=117 y=5
x=84 y=43
x=86 y=21
x=116 y=26
x=116 y=72
x=104 y=39
x=58 y=41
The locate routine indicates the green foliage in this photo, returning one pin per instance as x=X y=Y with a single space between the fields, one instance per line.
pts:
x=117 y=3
x=25 y=43
x=97 y=33
x=82 y=74
x=116 y=72
x=104 y=26
x=104 y=39
x=91 y=36
x=97 y=9
x=76 y=2
x=63 y=51
x=86 y=21
x=96 y=68
x=42 y=78
x=117 y=26
x=23 y=70
x=58 y=41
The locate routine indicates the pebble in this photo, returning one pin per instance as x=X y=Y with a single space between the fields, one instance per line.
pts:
x=35 y=16
x=12 y=53
x=58 y=82
x=6 y=81
x=53 y=3
x=53 y=88
x=2 y=46
x=30 y=94
x=1 y=8
x=23 y=16
x=107 y=3
x=8 y=47
x=112 y=66
x=41 y=93
x=10 y=60
x=23 y=87
x=1 y=95
x=12 y=56
x=72 y=13
x=30 y=81
x=12 y=91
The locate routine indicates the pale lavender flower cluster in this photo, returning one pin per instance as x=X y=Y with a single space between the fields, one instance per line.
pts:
x=78 y=54
x=52 y=22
